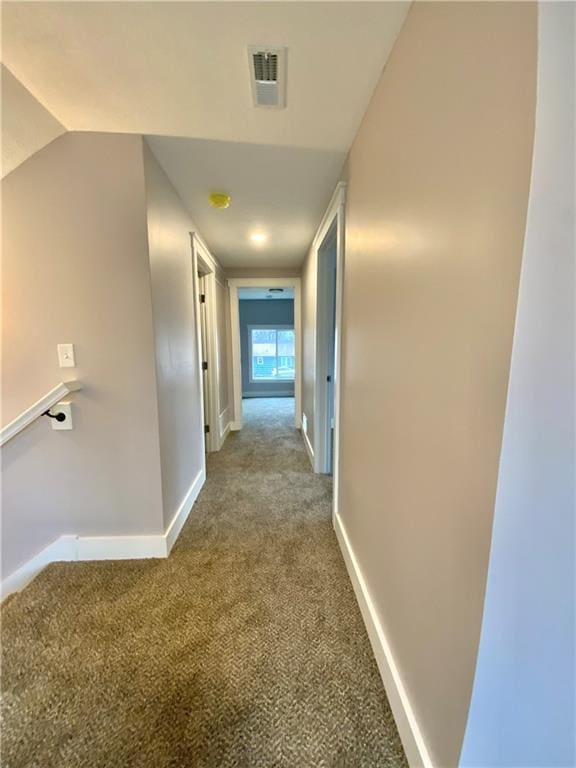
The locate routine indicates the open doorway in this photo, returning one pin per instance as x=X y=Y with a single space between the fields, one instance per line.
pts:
x=329 y=249
x=266 y=344
x=212 y=342
x=326 y=341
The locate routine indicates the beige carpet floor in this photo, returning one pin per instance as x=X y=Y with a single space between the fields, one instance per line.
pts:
x=244 y=648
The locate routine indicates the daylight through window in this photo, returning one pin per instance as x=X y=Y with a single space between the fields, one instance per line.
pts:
x=272 y=354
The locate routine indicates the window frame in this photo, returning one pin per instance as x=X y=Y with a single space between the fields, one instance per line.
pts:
x=269 y=327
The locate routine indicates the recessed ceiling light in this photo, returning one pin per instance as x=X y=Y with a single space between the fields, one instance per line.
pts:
x=258 y=237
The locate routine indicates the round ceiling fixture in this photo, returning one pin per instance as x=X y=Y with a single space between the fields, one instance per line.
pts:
x=219 y=200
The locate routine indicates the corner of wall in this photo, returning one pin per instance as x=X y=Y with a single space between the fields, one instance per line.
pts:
x=27 y=125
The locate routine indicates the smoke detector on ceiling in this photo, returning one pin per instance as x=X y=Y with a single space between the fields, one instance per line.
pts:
x=267 y=76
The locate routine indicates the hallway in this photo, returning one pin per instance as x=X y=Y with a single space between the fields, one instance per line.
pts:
x=244 y=648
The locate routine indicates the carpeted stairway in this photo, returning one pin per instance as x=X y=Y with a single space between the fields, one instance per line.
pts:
x=245 y=648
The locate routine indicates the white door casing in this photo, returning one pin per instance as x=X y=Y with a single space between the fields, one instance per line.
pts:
x=264 y=282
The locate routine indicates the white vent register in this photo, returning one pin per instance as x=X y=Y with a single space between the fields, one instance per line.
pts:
x=268 y=76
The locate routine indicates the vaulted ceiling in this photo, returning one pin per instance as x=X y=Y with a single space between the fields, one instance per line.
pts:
x=178 y=72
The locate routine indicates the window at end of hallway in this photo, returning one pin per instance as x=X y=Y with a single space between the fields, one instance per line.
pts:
x=272 y=353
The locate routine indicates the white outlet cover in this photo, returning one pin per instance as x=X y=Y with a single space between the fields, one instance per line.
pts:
x=66 y=356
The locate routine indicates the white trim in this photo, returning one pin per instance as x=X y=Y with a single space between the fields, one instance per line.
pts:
x=71 y=548
x=325 y=311
x=340 y=197
x=308 y=446
x=224 y=433
x=64 y=548
x=264 y=282
x=224 y=417
x=334 y=213
x=203 y=259
x=337 y=200
x=406 y=722
x=235 y=426
x=236 y=356
x=38 y=409
x=196 y=244
x=173 y=530
x=224 y=424
x=211 y=263
x=213 y=362
x=121 y=547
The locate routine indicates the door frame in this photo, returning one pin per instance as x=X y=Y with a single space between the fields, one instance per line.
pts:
x=264 y=282
x=203 y=262
x=334 y=217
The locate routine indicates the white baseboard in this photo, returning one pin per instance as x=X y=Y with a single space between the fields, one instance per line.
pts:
x=63 y=548
x=121 y=547
x=76 y=548
x=309 y=449
x=224 y=426
x=406 y=722
x=183 y=511
x=235 y=426
x=225 y=433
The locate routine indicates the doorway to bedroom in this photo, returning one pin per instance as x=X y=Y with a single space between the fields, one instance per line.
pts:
x=266 y=344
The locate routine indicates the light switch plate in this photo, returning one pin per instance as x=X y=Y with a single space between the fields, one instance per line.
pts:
x=66 y=356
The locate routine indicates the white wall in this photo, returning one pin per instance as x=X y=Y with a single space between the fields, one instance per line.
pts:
x=75 y=269
x=97 y=252
x=178 y=380
x=436 y=203
x=224 y=368
x=27 y=125
x=522 y=711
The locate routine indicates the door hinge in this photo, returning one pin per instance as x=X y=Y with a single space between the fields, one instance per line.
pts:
x=207 y=428
x=202 y=298
x=204 y=366
x=328 y=378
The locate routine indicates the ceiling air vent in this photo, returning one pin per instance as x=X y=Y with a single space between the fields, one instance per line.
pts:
x=268 y=76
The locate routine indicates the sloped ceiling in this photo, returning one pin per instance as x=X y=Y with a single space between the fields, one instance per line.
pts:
x=27 y=126
x=180 y=69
